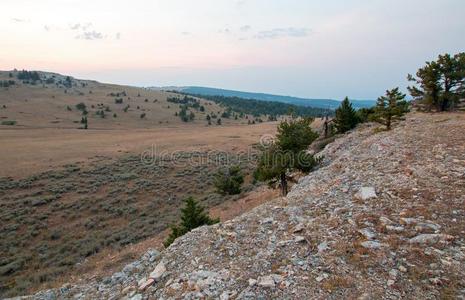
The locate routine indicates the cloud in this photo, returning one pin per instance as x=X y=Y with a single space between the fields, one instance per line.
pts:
x=90 y=35
x=282 y=32
x=245 y=28
x=118 y=35
x=18 y=20
x=224 y=31
x=185 y=33
x=47 y=28
x=75 y=26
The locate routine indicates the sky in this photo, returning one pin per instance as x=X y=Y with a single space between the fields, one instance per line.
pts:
x=305 y=48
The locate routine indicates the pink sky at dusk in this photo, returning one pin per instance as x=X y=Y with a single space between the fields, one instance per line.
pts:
x=325 y=49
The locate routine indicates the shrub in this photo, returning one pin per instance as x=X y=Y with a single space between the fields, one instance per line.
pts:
x=81 y=106
x=228 y=182
x=142 y=116
x=193 y=215
x=10 y=123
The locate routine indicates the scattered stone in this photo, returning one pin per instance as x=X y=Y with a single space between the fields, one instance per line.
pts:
x=252 y=282
x=385 y=221
x=408 y=221
x=368 y=233
x=323 y=247
x=298 y=228
x=395 y=228
x=372 y=245
x=266 y=281
x=366 y=193
x=403 y=269
x=431 y=239
x=160 y=269
x=299 y=239
x=322 y=277
x=147 y=283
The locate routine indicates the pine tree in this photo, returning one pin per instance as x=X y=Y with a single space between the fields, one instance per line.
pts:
x=193 y=215
x=440 y=83
x=346 y=117
x=390 y=107
x=287 y=153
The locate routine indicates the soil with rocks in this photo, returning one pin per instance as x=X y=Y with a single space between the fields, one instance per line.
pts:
x=383 y=218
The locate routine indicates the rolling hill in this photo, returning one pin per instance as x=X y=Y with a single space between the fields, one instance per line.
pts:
x=318 y=103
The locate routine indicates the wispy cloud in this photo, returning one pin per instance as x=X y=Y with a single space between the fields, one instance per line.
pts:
x=118 y=35
x=185 y=33
x=224 y=31
x=18 y=20
x=276 y=33
x=245 y=28
x=90 y=35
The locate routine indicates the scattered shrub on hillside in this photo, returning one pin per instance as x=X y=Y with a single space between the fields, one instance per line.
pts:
x=218 y=122
x=229 y=181
x=118 y=100
x=115 y=115
x=193 y=215
x=9 y=123
x=81 y=106
x=84 y=122
x=126 y=108
x=6 y=83
x=142 y=115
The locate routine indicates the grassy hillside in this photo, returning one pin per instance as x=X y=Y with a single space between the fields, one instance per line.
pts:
x=51 y=102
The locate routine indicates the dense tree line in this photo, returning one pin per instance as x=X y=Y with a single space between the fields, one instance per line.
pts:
x=258 y=107
x=6 y=83
x=28 y=75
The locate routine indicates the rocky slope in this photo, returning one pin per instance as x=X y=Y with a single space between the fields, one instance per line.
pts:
x=383 y=218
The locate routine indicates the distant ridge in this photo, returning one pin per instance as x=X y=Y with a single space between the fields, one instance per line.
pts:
x=318 y=103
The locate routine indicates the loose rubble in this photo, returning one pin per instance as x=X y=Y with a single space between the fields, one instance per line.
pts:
x=383 y=218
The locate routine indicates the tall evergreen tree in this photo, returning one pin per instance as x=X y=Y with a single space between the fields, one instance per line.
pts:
x=346 y=117
x=288 y=153
x=440 y=83
x=390 y=107
x=193 y=215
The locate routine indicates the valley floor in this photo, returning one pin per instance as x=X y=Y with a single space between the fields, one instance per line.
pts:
x=28 y=151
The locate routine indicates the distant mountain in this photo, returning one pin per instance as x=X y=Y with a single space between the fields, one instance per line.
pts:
x=319 y=103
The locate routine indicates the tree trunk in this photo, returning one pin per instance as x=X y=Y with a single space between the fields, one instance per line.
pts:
x=283 y=184
x=388 y=123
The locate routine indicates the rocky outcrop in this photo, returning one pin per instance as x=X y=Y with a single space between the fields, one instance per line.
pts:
x=382 y=218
